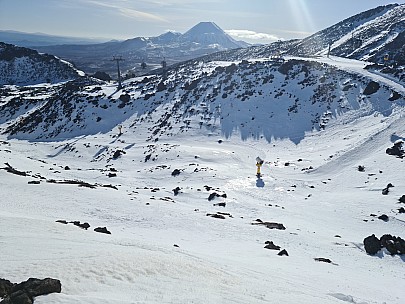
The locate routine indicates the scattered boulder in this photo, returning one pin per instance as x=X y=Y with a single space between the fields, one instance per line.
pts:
x=220 y=204
x=270 y=225
x=118 y=154
x=383 y=217
x=102 y=230
x=270 y=245
x=34 y=182
x=361 y=168
x=323 y=260
x=401 y=210
x=371 y=88
x=387 y=189
x=372 y=244
x=176 y=191
x=402 y=199
x=176 y=172
x=125 y=98
x=85 y=225
x=393 y=244
x=396 y=149
x=283 y=252
x=216 y=215
x=220 y=215
x=212 y=196
x=24 y=292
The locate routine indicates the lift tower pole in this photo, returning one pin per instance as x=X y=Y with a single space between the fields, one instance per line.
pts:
x=118 y=59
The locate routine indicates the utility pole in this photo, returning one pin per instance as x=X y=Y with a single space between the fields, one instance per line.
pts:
x=118 y=59
x=329 y=47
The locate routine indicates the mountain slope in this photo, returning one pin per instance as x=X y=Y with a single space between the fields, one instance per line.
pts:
x=190 y=222
x=211 y=35
x=37 y=39
x=365 y=36
x=204 y=38
x=293 y=97
x=22 y=66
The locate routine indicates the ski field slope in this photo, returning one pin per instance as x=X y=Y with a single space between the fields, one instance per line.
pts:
x=167 y=248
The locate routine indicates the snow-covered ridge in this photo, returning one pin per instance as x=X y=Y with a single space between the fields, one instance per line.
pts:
x=368 y=35
x=22 y=66
x=249 y=99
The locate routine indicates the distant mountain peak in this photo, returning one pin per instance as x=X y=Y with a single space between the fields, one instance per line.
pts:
x=205 y=28
x=168 y=36
x=209 y=33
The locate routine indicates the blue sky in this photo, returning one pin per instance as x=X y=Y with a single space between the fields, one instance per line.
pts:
x=250 y=20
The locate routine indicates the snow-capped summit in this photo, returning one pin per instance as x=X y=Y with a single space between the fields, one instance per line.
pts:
x=209 y=33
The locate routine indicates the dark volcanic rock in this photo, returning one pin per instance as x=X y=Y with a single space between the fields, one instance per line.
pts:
x=81 y=225
x=176 y=172
x=24 y=293
x=270 y=225
x=271 y=245
x=283 y=252
x=36 y=287
x=386 y=190
x=118 y=153
x=396 y=150
x=371 y=88
x=383 y=217
x=372 y=244
x=323 y=260
x=5 y=287
x=18 y=297
x=212 y=196
x=102 y=230
x=176 y=190
x=216 y=215
x=394 y=245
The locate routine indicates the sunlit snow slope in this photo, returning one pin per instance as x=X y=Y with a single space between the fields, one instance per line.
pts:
x=178 y=188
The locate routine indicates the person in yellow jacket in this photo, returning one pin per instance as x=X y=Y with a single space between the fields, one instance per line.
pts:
x=259 y=163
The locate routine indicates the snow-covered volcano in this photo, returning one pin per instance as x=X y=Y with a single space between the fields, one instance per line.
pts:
x=210 y=34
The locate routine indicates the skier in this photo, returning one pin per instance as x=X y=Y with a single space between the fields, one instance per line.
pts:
x=259 y=163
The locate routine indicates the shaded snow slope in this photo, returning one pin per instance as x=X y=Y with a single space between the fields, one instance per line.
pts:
x=22 y=66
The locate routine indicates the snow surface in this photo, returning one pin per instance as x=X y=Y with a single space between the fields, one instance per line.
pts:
x=165 y=249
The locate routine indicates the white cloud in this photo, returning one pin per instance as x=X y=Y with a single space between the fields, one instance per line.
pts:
x=252 y=36
x=126 y=11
